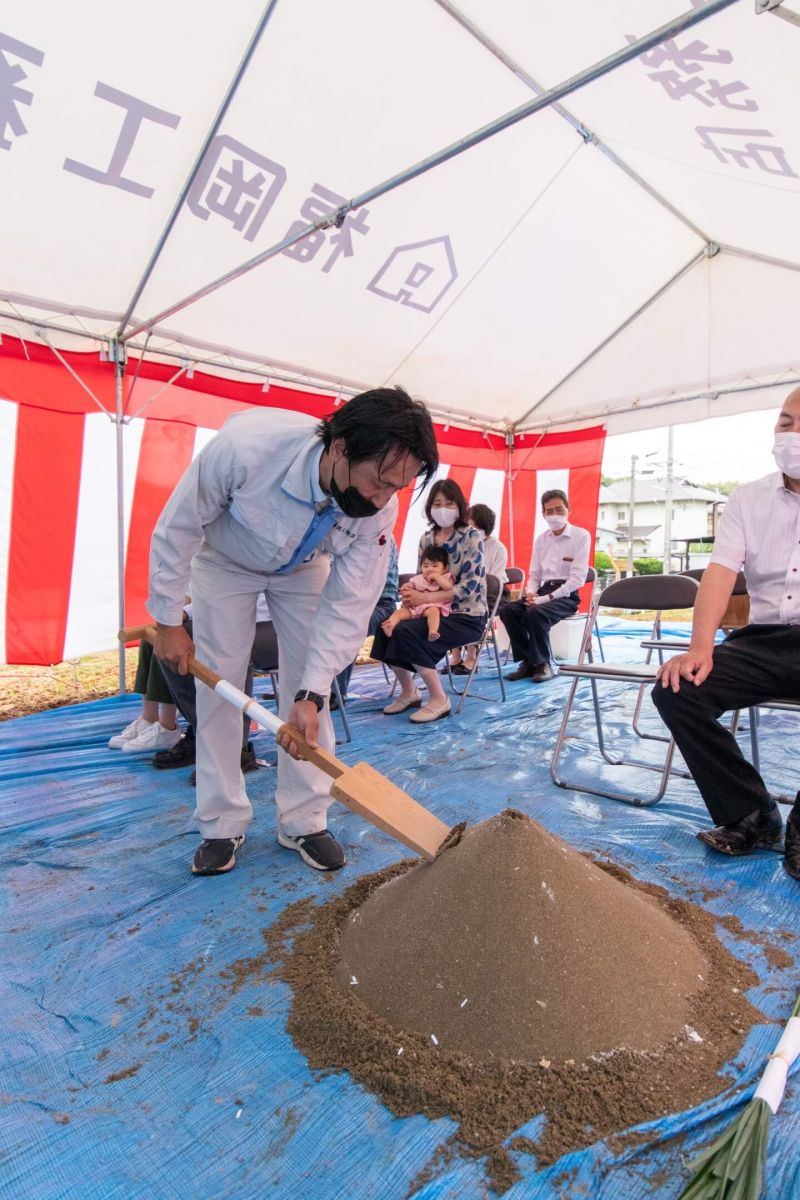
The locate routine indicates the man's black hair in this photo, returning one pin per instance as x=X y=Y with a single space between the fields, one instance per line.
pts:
x=451 y=491
x=554 y=494
x=435 y=554
x=384 y=424
x=482 y=518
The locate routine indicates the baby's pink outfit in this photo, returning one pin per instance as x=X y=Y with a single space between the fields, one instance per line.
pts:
x=421 y=584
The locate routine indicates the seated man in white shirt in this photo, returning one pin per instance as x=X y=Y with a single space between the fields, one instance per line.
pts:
x=759 y=533
x=559 y=566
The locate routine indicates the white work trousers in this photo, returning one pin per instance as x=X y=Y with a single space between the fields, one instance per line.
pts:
x=223 y=615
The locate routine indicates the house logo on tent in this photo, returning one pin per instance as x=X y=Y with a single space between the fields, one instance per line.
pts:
x=417 y=274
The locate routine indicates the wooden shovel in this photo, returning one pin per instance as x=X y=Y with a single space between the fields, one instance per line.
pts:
x=361 y=788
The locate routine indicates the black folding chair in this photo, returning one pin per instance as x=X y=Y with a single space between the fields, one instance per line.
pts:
x=494 y=592
x=515 y=577
x=656 y=643
x=639 y=592
x=265 y=662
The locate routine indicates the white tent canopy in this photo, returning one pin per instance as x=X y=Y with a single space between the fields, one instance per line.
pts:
x=632 y=257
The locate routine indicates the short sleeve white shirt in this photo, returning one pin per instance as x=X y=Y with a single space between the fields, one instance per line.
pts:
x=759 y=533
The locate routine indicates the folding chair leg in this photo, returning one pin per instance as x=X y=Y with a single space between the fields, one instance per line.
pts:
x=599 y=641
x=649 y=737
x=624 y=797
x=348 y=737
x=754 y=719
x=499 y=670
x=476 y=695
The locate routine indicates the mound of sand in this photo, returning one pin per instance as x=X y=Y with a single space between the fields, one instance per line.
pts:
x=583 y=993
x=512 y=945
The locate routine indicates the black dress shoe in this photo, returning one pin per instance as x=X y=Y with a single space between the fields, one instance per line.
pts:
x=791 y=851
x=182 y=754
x=523 y=671
x=758 y=830
x=542 y=673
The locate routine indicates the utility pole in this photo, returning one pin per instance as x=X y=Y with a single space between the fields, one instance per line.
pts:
x=668 y=505
x=634 y=459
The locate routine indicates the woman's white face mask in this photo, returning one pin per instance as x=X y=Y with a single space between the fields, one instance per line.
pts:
x=786 y=451
x=444 y=517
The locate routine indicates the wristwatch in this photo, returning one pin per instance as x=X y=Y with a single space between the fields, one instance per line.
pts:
x=314 y=697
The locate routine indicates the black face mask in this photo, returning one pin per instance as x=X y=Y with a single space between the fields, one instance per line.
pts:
x=350 y=500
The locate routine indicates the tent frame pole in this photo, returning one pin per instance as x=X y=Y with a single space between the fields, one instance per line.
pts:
x=693 y=261
x=227 y=99
x=587 y=135
x=337 y=216
x=117 y=354
x=510 y=495
x=582 y=420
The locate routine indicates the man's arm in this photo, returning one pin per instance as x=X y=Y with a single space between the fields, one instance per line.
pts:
x=200 y=495
x=535 y=569
x=696 y=664
x=345 y=606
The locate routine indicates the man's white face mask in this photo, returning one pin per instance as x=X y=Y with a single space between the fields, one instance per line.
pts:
x=786 y=451
x=555 y=522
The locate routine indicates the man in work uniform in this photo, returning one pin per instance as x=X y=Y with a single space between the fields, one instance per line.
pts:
x=759 y=533
x=304 y=514
x=559 y=566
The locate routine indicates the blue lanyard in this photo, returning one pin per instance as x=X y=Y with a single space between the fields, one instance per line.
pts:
x=321 y=522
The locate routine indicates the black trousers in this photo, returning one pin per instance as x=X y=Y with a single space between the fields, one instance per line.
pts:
x=182 y=687
x=382 y=611
x=757 y=663
x=529 y=625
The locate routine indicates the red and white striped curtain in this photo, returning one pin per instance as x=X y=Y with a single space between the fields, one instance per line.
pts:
x=58 y=486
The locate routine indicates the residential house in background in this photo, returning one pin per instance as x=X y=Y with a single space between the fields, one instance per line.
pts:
x=695 y=515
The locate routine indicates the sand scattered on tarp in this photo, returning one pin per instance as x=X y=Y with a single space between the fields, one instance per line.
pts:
x=640 y=1007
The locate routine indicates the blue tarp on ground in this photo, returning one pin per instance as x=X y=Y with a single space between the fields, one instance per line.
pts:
x=129 y=1068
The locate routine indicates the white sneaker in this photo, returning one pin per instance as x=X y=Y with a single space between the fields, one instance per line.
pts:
x=154 y=737
x=129 y=733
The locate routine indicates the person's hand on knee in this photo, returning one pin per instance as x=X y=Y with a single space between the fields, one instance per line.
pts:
x=694 y=665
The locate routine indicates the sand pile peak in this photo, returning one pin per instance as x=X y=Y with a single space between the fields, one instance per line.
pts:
x=511 y=945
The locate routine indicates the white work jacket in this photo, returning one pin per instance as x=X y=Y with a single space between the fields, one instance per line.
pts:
x=251 y=495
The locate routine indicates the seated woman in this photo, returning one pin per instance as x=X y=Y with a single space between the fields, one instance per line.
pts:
x=495 y=561
x=407 y=649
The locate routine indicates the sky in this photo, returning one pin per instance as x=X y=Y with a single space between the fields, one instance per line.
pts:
x=726 y=448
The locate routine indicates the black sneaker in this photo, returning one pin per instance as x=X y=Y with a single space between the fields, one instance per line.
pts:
x=182 y=754
x=319 y=850
x=248 y=762
x=214 y=856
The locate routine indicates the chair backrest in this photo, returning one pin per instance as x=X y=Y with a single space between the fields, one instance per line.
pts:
x=494 y=590
x=591 y=575
x=265 y=649
x=404 y=578
x=515 y=575
x=650 y=591
x=740 y=587
x=694 y=573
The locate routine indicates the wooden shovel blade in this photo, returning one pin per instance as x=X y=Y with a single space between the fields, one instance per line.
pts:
x=376 y=799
